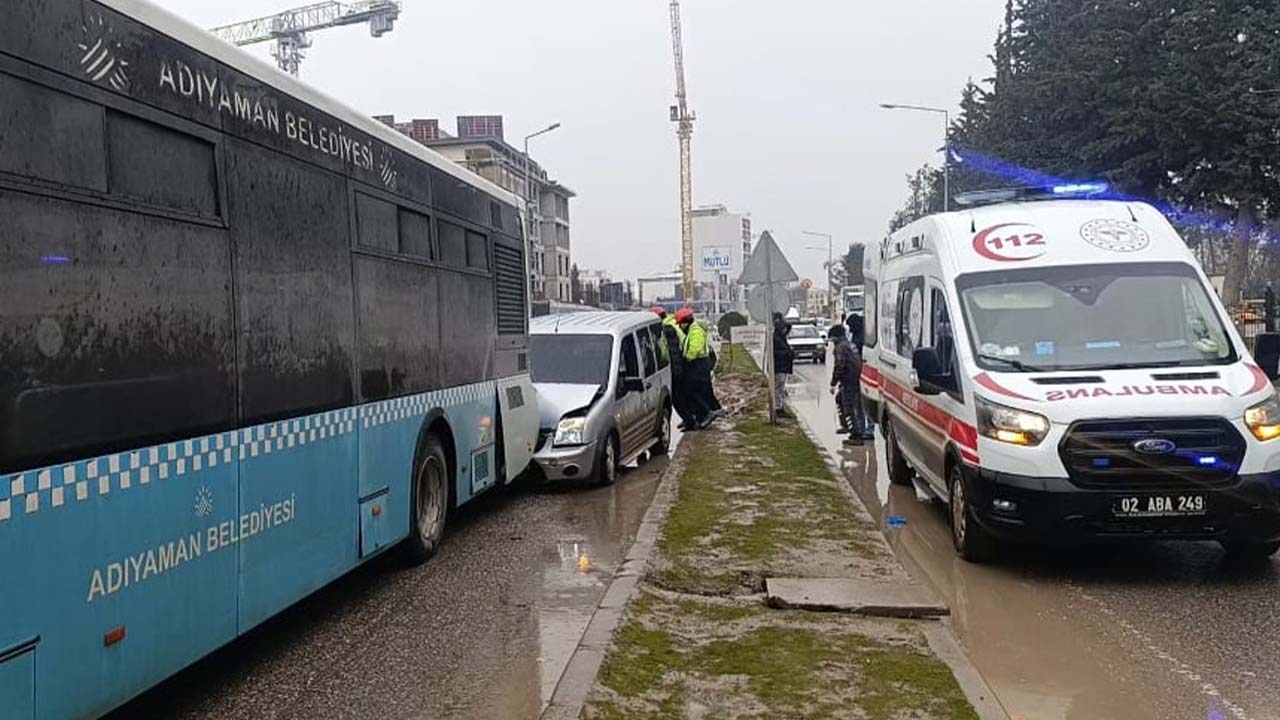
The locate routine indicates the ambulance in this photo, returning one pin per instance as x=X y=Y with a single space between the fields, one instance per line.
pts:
x=1056 y=367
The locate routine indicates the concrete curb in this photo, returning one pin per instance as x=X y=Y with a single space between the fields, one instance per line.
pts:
x=580 y=673
x=939 y=635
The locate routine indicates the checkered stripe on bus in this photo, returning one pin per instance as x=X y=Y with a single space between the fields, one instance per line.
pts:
x=50 y=488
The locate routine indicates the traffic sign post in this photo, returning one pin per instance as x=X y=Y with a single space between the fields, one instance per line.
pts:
x=767 y=265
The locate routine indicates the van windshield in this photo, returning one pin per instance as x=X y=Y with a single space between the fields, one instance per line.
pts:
x=574 y=359
x=1092 y=317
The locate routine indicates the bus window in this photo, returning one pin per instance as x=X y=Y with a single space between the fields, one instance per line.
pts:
x=158 y=166
x=453 y=244
x=293 y=285
x=376 y=224
x=415 y=234
x=399 y=327
x=70 y=151
x=108 y=344
x=477 y=251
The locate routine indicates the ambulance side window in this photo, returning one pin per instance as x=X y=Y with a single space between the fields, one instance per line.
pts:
x=942 y=342
x=870 y=312
x=911 y=319
x=889 y=315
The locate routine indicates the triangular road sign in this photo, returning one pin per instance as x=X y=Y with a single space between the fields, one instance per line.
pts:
x=767 y=264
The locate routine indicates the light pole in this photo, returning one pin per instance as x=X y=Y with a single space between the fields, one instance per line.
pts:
x=946 y=146
x=528 y=191
x=830 y=290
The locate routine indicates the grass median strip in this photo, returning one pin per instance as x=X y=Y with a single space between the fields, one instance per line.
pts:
x=757 y=499
x=754 y=501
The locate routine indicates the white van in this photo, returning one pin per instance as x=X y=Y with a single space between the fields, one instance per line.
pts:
x=1062 y=370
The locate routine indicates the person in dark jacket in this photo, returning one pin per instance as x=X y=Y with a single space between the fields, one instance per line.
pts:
x=863 y=422
x=846 y=367
x=783 y=359
x=671 y=348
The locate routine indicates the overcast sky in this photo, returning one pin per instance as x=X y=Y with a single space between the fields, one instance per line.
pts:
x=787 y=97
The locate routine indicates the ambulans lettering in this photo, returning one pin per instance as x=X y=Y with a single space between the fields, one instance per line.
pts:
x=149 y=563
x=1134 y=390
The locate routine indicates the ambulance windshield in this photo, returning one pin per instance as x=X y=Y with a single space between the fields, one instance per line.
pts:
x=1092 y=317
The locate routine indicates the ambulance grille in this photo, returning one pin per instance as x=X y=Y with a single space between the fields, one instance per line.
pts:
x=1100 y=454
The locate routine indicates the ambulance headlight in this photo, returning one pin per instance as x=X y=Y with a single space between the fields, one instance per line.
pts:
x=1010 y=425
x=569 y=431
x=1263 y=419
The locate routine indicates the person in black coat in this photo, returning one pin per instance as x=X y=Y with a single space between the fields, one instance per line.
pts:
x=783 y=359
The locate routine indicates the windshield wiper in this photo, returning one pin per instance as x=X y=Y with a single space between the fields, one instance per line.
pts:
x=1015 y=364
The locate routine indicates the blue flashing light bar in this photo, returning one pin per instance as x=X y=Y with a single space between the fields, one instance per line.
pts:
x=1102 y=462
x=1037 y=192
x=1207 y=460
x=1089 y=188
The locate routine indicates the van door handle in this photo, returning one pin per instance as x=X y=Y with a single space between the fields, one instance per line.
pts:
x=648 y=386
x=889 y=363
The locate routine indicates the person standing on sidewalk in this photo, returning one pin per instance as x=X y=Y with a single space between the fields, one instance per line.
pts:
x=671 y=347
x=696 y=350
x=864 y=423
x=783 y=360
x=846 y=367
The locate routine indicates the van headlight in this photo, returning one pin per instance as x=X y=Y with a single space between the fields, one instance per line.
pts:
x=1010 y=425
x=569 y=431
x=1263 y=419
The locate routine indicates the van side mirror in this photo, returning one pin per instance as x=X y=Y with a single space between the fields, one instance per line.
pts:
x=1266 y=352
x=926 y=371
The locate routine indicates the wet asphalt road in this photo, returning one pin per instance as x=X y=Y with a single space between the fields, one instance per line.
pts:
x=482 y=631
x=1132 y=632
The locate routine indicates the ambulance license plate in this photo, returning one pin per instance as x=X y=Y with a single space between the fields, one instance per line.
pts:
x=1146 y=506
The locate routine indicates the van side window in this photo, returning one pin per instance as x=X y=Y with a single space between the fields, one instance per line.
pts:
x=630 y=362
x=647 y=352
x=888 y=321
x=939 y=318
x=664 y=359
x=910 y=321
x=869 y=316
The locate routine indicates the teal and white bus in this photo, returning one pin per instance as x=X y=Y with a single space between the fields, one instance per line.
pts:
x=249 y=339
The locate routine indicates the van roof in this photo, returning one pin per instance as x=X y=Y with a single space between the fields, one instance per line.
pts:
x=1043 y=233
x=591 y=323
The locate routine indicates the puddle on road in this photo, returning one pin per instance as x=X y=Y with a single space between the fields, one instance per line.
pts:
x=578 y=567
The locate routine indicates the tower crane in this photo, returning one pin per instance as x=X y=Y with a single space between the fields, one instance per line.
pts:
x=683 y=118
x=290 y=28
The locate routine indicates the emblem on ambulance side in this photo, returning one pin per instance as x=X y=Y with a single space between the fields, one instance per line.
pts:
x=1115 y=235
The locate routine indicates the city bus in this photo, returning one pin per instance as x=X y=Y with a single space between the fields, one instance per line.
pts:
x=249 y=339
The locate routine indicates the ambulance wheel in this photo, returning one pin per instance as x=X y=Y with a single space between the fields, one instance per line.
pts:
x=430 y=502
x=899 y=471
x=972 y=541
x=1250 y=551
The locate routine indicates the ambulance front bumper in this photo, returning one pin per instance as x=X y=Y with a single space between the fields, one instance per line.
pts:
x=1019 y=508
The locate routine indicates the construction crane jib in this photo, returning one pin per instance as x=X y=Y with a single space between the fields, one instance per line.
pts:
x=289 y=28
x=684 y=131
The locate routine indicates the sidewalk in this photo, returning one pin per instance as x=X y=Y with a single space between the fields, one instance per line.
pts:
x=757 y=506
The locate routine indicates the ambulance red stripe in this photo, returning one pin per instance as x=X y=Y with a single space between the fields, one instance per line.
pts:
x=962 y=433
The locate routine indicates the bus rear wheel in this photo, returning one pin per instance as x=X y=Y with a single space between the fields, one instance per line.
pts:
x=430 y=502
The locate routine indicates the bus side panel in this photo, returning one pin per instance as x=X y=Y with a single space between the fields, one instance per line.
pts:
x=389 y=439
x=128 y=545
x=298 y=490
x=471 y=412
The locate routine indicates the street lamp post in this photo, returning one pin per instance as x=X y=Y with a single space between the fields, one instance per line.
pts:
x=528 y=192
x=830 y=290
x=946 y=146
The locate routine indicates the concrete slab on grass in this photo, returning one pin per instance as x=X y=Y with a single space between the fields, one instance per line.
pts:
x=859 y=597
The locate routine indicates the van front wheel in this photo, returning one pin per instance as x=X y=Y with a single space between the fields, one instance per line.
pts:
x=972 y=541
x=899 y=471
